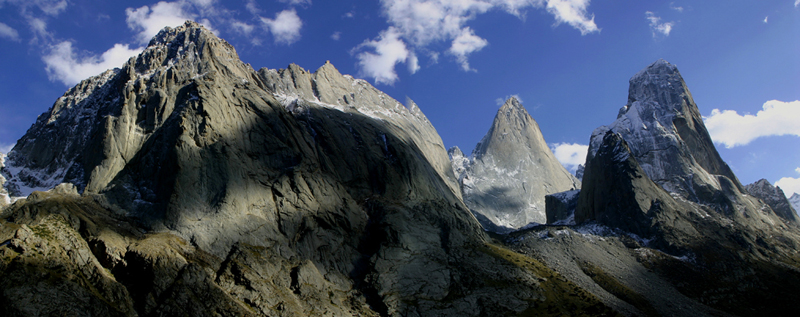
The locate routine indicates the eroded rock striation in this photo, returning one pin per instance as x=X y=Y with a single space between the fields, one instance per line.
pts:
x=510 y=172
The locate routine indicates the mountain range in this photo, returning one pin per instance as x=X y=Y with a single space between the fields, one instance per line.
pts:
x=187 y=183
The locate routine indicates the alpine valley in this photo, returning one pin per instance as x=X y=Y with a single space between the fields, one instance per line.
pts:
x=187 y=183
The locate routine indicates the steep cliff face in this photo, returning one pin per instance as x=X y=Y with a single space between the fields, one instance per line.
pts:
x=666 y=135
x=618 y=193
x=314 y=188
x=511 y=171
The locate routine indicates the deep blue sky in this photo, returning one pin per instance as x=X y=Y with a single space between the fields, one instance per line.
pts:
x=571 y=72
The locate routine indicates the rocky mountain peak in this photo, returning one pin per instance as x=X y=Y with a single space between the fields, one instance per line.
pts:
x=511 y=171
x=193 y=49
x=795 y=201
x=655 y=170
x=512 y=127
x=512 y=104
x=459 y=161
x=455 y=152
x=775 y=198
x=665 y=131
x=656 y=76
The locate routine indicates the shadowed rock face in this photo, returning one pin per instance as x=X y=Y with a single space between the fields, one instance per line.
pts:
x=277 y=192
x=511 y=171
x=617 y=193
x=775 y=198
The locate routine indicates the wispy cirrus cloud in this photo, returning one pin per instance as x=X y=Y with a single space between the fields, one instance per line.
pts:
x=658 y=27
x=8 y=32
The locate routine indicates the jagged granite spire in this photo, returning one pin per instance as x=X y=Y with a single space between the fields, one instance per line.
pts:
x=655 y=172
x=666 y=134
x=511 y=171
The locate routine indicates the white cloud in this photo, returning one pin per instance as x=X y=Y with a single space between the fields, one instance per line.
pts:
x=285 y=27
x=466 y=43
x=729 y=128
x=420 y=23
x=8 y=32
x=678 y=8
x=389 y=51
x=657 y=26
x=789 y=185
x=570 y=154
x=149 y=20
x=573 y=12
x=796 y=3
x=766 y=18
x=336 y=35
x=64 y=65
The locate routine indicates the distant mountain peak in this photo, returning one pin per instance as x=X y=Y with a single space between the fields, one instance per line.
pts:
x=511 y=125
x=510 y=172
x=775 y=198
x=795 y=201
x=512 y=103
